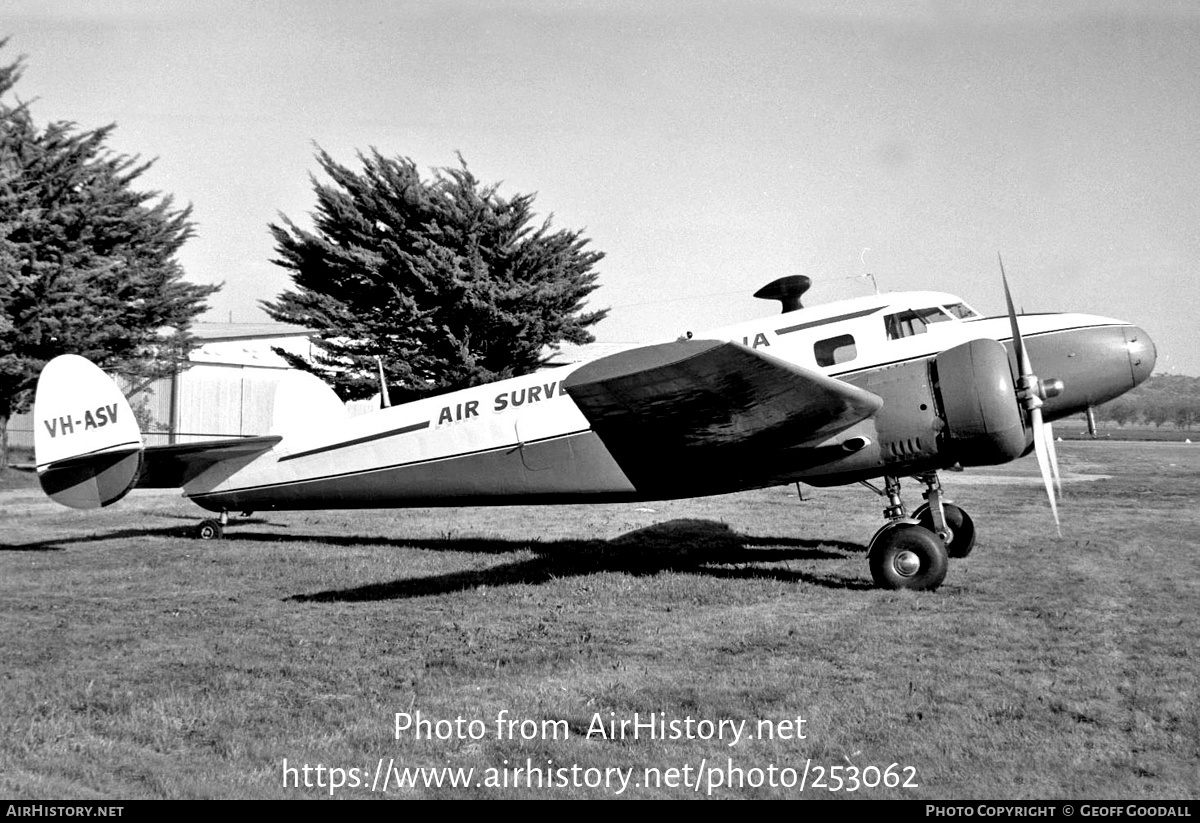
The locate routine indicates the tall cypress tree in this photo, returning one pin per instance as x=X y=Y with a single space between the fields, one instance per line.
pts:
x=449 y=283
x=87 y=264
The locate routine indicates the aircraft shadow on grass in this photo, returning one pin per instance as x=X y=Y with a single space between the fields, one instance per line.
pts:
x=701 y=547
x=694 y=546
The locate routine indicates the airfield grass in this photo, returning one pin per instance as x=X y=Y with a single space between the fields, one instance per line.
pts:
x=140 y=663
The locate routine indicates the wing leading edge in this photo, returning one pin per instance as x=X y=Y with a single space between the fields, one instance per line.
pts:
x=698 y=416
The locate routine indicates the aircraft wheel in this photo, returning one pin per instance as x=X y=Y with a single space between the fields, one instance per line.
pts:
x=210 y=530
x=905 y=556
x=962 y=528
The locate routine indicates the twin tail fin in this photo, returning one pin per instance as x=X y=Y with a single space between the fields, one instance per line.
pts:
x=87 y=444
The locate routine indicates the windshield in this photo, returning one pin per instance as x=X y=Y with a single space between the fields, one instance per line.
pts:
x=962 y=311
x=908 y=323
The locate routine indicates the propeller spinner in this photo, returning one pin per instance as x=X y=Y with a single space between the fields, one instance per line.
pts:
x=1031 y=392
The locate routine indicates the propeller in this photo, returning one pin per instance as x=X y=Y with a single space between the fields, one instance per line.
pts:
x=1031 y=392
x=1052 y=451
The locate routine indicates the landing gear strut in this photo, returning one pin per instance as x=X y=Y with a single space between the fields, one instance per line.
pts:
x=912 y=552
x=956 y=528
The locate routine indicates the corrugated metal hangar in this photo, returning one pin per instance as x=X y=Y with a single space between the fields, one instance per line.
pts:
x=227 y=390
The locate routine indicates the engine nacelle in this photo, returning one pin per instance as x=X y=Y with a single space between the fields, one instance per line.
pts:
x=975 y=388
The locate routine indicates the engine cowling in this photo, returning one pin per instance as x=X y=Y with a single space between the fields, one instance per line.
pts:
x=977 y=395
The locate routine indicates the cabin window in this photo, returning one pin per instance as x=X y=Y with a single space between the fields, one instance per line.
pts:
x=909 y=323
x=840 y=349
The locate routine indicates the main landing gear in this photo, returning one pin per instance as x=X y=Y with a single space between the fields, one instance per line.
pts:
x=912 y=552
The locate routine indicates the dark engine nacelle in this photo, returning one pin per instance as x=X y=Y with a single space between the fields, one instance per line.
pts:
x=974 y=385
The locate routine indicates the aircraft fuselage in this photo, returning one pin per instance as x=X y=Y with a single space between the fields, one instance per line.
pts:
x=524 y=440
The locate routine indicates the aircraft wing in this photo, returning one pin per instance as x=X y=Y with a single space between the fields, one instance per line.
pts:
x=706 y=413
x=172 y=466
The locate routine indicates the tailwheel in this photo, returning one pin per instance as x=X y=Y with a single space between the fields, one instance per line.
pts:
x=210 y=530
x=907 y=556
x=959 y=526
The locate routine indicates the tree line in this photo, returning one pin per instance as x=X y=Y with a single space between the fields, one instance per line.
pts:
x=87 y=261
x=1164 y=399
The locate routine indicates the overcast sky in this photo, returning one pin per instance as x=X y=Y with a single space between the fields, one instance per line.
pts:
x=706 y=147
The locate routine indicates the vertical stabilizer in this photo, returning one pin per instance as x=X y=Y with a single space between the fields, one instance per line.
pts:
x=86 y=441
x=305 y=406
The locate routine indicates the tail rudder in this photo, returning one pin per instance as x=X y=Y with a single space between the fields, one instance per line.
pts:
x=87 y=445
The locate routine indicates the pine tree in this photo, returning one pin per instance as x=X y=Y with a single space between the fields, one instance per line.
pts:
x=443 y=279
x=87 y=264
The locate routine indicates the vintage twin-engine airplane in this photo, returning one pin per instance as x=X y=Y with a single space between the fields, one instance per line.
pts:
x=891 y=386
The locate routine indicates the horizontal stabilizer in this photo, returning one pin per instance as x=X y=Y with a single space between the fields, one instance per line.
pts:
x=174 y=466
x=86 y=441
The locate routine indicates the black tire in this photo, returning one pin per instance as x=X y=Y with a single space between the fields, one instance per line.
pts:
x=962 y=528
x=905 y=556
x=210 y=530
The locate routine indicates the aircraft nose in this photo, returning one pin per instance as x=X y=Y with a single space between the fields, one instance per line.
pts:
x=1142 y=354
x=1095 y=364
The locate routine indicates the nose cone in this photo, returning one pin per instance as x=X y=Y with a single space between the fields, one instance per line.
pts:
x=1095 y=364
x=1142 y=354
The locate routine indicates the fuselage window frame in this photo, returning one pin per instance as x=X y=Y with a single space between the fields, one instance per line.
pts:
x=834 y=351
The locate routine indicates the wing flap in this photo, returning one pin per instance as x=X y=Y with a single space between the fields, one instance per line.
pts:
x=716 y=410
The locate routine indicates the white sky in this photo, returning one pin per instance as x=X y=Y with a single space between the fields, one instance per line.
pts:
x=706 y=147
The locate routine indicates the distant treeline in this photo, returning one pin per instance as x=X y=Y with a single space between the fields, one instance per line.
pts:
x=1163 y=399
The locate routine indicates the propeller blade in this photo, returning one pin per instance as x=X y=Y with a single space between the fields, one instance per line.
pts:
x=1029 y=389
x=1052 y=453
x=1044 y=462
x=1018 y=343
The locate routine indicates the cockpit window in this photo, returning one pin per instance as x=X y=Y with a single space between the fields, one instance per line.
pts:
x=914 y=321
x=962 y=311
x=840 y=349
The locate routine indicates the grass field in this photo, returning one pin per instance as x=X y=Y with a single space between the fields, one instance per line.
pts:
x=138 y=662
x=1074 y=428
